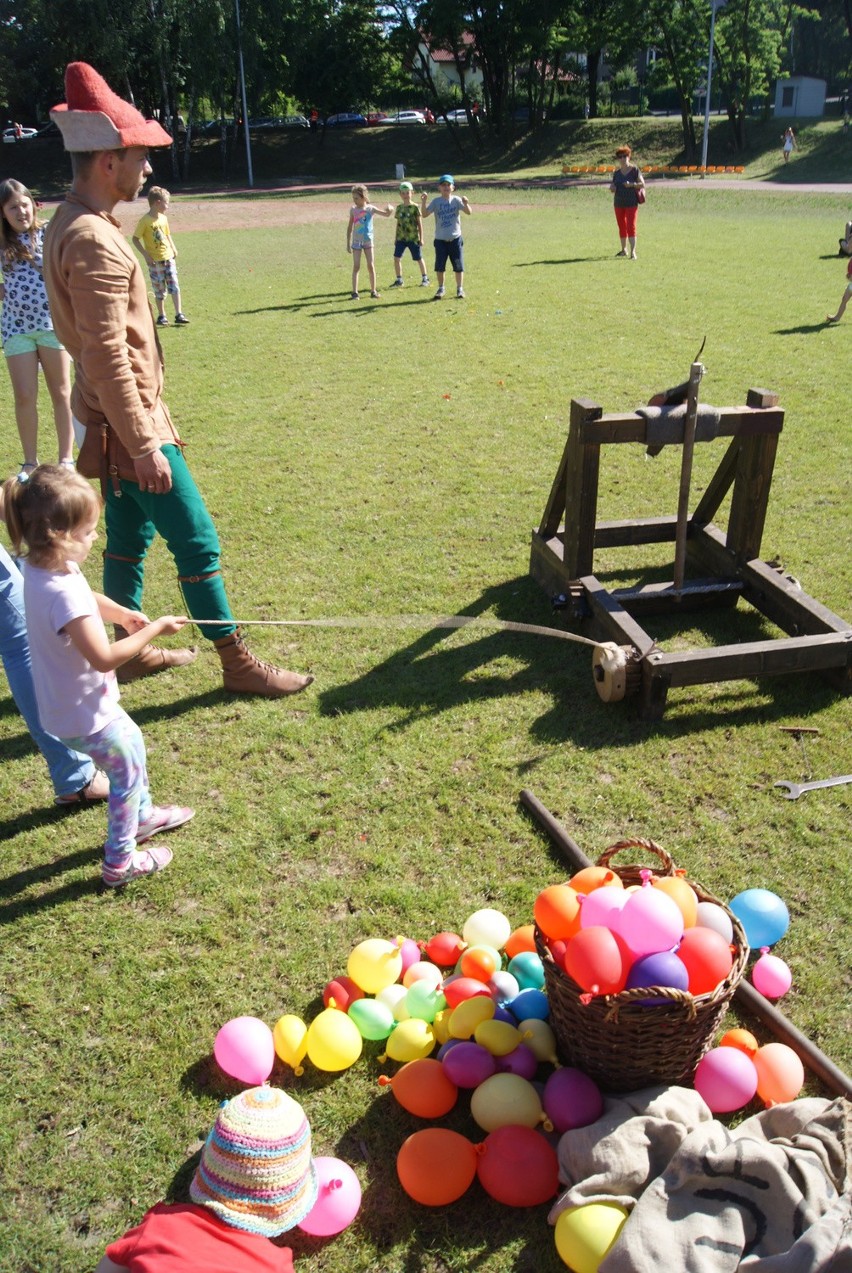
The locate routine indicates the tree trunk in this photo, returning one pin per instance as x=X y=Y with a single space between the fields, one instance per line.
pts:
x=593 y=57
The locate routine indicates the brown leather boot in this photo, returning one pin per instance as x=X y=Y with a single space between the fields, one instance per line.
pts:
x=245 y=674
x=151 y=659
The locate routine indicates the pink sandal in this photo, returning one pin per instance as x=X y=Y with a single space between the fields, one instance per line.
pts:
x=146 y=862
x=163 y=818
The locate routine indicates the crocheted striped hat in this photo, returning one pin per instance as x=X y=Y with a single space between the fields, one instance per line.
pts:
x=256 y=1170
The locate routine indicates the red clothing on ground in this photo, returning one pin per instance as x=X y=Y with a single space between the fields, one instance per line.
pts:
x=185 y=1238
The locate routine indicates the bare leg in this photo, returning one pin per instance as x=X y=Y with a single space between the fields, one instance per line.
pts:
x=356 y=269
x=176 y=299
x=623 y=251
x=57 y=376
x=459 y=281
x=371 y=266
x=632 y=243
x=23 y=372
x=841 y=310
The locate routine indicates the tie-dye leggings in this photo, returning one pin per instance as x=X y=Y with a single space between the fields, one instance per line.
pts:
x=119 y=750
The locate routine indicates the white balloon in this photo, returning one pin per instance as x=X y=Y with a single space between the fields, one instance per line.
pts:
x=712 y=916
x=487 y=928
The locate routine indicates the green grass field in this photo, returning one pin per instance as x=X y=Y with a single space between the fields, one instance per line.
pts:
x=390 y=458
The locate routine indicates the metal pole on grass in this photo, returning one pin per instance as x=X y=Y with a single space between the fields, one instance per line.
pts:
x=243 y=91
x=714 y=5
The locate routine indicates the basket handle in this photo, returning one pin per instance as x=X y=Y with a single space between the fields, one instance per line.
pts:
x=665 y=857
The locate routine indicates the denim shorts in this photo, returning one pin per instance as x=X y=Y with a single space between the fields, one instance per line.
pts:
x=449 y=249
x=414 y=248
x=30 y=342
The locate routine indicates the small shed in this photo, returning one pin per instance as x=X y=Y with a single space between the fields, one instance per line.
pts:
x=799 y=96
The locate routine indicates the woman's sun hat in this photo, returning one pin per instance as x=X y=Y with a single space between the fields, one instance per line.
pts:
x=256 y=1172
x=95 y=118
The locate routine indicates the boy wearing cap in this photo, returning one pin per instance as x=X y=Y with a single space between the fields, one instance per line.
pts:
x=256 y=1179
x=447 y=209
x=409 y=234
x=98 y=297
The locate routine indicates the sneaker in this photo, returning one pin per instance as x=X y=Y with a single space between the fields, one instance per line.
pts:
x=163 y=818
x=139 y=863
x=439 y=295
x=355 y=296
x=375 y=295
x=424 y=282
x=460 y=294
x=397 y=282
x=181 y=320
x=162 y=321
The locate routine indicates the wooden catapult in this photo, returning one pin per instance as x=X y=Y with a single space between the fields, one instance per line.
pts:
x=726 y=565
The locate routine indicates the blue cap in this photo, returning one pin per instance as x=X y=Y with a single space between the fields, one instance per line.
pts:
x=446 y=177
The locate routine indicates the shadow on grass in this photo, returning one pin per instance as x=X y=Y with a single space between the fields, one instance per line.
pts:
x=568 y=260
x=434 y=674
x=804 y=329
x=12 y=910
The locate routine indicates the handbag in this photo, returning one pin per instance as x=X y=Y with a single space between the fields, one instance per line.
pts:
x=102 y=455
x=640 y=195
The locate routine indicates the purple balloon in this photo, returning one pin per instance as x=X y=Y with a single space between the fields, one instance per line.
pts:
x=521 y=1061
x=468 y=1065
x=503 y=1014
x=571 y=1099
x=663 y=969
x=448 y=1047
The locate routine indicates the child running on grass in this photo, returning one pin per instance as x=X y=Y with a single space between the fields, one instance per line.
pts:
x=409 y=234
x=29 y=341
x=447 y=208
x=359 y=236
x=256 y=1180
x=52 y=518
x=153 y=240
x=844 y=300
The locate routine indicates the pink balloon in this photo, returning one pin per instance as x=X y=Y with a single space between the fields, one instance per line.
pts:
x=410 y=952
x=338 y=1199
x=571 y=1099
x=771 y=976
x=245 y=1050
x=726 y=1079
x=601 y=906
x=650 y=922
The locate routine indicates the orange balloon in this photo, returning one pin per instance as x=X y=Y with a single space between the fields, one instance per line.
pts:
x=479 y=962
x=522 y=938
x=780 y=1074
x=707 y=957
x=742 y=1039
x=592 y=877
x=682 y=894
x=436 y=1166
x=557 y=912
x=423 y=1088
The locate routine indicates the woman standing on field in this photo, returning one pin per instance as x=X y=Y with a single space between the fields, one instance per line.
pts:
x=628 y=188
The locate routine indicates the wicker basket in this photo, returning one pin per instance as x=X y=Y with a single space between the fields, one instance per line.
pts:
x=622 y=1041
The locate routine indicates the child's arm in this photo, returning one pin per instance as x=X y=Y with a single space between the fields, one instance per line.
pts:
x=349 y=234
x=113 y=612
x=174 y=249
x=88 y=637
x=386 y=211
x=140 y=248
x=420 y=227
x=424 y=211
x=466 y=208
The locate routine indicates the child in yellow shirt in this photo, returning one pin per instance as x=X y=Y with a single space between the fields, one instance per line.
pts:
x=152 y=238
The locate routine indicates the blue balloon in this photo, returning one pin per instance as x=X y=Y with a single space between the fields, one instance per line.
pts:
x=527 y=969
x=763 y=915
x=530 y=1003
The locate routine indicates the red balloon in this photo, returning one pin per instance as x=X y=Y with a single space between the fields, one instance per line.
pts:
x=461 y=988
x=444 y=949
x=597 y=960
x=340 y=992
x=436 y=1166
x=517 y=1167
x=707 y=957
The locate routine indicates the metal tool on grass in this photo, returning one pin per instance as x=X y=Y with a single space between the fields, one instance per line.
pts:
x=796 y=789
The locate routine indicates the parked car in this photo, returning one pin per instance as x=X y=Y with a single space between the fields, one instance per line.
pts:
x=456 y=116
x=12 y=135
x=377 y=117
x=407 y=117
x=293 y=121
x=347 y=119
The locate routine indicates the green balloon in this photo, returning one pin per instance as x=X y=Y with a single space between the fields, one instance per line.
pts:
x=373 y=1019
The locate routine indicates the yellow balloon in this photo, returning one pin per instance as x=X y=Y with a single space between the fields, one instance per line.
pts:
x=584 y=1235
x=540 y=1038
x=334 y=1041
x=469 y=1013
x=374 y=964
x=505 y=1100
x=290 y=1036
x=441 y=1026
x=410 y=1040
x=498 y=1037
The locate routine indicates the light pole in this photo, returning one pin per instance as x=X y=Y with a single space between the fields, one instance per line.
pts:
x=243 y=89
x=714 y=5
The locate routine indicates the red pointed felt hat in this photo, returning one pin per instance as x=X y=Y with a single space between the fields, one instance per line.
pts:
x=95 y=118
